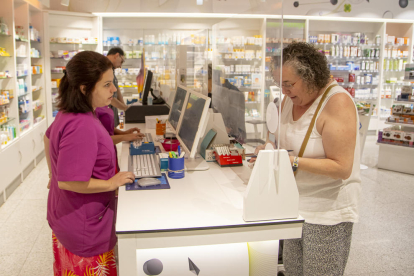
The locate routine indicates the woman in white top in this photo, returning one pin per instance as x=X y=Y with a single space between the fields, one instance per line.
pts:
x=327 y=175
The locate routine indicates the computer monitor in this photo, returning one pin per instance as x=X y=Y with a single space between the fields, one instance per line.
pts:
x=177 y=106
x=193 y=121
x=147 y=87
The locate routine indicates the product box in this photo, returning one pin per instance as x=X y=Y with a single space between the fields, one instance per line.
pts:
x=407 y=110
x=391 y=39
x=321 y=38
x=397 y=135
x=62 y=39
x=397 y=109
x=334 y=38
x=399 y=40
x=386 y=134
x=327 y=38
x=408 y=137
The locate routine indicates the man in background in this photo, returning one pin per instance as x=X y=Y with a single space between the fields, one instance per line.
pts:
x=117 y=56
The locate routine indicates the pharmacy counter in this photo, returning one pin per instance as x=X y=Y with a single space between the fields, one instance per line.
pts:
x=203 y=208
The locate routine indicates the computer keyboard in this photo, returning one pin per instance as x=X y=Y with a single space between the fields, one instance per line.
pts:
x=145 y=165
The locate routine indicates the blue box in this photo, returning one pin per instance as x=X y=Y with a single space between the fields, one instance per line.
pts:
x=145 y=148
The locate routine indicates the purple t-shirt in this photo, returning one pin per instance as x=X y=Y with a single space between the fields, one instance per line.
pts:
x=106 y=116
x=81 y=149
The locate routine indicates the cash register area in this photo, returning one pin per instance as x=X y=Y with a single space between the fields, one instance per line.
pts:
x=382 y=241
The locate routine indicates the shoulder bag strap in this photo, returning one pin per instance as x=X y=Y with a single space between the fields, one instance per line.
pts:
x=312 y=124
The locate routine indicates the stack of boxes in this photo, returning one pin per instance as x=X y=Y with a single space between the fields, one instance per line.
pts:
x=396 y=136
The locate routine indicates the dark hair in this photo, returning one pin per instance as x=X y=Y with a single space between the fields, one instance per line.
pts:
x=85 y=68
x=309 y=64
x=116 y=50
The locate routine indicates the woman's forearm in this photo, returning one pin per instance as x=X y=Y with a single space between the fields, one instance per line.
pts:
x=118 y=104
x=46 y=143
x=326 y=167
x=119 y=138
x=90 y=187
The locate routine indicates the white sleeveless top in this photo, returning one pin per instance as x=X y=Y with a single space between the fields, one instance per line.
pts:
x=322 y=200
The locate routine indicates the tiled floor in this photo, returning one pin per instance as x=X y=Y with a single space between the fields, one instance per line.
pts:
x=383 y=241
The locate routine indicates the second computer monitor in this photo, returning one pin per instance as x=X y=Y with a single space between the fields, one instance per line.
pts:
x=177 y=107
x=193 y=120
x=147 y=87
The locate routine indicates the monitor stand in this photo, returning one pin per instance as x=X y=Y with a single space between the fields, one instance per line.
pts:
x=196 y=164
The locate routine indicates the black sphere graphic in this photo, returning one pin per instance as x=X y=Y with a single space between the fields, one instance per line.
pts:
x=296 y=4
x=403 y=3
x=334 y=2
x=153 y=267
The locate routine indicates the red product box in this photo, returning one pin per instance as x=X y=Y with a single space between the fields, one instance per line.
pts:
x=229 y=160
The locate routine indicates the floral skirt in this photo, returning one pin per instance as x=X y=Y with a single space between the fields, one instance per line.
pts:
x=69 y=264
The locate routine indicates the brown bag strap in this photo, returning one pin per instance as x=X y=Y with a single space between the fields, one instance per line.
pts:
x=312 y=124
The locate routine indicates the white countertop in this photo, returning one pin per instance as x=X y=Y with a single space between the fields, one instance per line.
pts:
x=211 y=199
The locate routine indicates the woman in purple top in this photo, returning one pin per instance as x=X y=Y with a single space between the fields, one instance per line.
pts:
x=82 y=161
x=106 y=116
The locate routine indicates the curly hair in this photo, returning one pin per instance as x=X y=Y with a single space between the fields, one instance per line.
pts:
x=309 y=64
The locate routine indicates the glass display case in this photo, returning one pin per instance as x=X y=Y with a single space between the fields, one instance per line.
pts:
x=293 y=31
x=238 y=77
x=193 y=59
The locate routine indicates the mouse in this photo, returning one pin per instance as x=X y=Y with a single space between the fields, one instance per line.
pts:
x=146 y=182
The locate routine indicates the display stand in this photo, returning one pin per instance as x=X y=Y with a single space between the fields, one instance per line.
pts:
x=394 y=157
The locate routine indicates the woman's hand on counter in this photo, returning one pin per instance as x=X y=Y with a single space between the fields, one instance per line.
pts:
x=133 y=137
x=132 y=130
x=121 y=179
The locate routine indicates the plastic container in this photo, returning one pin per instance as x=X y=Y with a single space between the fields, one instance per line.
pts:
x=160 y=128
x=171 y=144
x=176 y=168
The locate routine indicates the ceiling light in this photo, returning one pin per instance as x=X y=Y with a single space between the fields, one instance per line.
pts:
x=64 y=2
x=199 y=2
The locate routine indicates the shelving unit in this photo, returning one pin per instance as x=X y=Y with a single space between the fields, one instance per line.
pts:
x=23 y=65
x=19 y=156
x=65 y=25
x=389 y=91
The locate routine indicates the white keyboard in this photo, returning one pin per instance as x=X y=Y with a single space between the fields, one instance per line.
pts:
x=145 y=165
x=147 y=138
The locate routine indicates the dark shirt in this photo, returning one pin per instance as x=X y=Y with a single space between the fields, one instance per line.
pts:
x=114 y=109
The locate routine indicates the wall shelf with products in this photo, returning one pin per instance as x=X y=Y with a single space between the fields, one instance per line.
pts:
x=21 y=144
x=357 y=48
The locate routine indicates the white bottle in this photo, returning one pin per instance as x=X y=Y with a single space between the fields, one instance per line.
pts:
x=149 y=99
x=341 y=50
x=333 y=53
